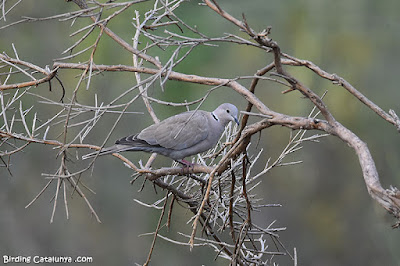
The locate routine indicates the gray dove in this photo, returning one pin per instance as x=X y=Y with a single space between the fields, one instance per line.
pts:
x=178 y=136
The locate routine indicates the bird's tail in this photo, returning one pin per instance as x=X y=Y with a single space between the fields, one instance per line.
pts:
x=109 y=150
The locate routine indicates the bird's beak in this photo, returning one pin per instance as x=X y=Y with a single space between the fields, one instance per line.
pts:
x=236 y=120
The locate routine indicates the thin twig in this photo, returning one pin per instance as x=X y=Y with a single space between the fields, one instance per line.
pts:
x=157 y=230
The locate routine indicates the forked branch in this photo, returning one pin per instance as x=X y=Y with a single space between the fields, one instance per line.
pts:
x=388 y=198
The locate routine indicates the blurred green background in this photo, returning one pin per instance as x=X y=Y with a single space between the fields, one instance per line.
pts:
x=330 y=218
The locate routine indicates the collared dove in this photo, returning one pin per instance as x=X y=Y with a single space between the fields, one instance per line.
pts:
x=178 y=136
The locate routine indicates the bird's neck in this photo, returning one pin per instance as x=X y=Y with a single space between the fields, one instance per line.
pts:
x=214 y=116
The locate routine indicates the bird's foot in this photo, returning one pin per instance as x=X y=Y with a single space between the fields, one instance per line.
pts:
x=186 y=165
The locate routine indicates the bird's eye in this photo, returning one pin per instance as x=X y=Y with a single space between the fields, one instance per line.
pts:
x=228 y=111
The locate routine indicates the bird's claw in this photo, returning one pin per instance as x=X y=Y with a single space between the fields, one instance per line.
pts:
x=186 y=165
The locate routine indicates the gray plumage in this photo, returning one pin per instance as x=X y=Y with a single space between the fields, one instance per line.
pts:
x=178 y=136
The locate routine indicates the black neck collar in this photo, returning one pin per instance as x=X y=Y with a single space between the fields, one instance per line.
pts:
x=215 y=117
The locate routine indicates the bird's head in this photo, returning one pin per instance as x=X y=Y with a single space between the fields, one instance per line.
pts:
x=225 y=113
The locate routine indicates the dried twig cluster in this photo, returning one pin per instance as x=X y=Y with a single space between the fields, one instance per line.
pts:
x=219 y=190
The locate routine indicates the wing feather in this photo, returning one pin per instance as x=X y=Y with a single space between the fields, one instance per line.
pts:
x=177 y=132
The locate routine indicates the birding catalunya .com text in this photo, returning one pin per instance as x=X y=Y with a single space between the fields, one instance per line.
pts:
x=45 y=259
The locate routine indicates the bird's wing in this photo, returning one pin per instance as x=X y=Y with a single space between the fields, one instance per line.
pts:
x=178 y=132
